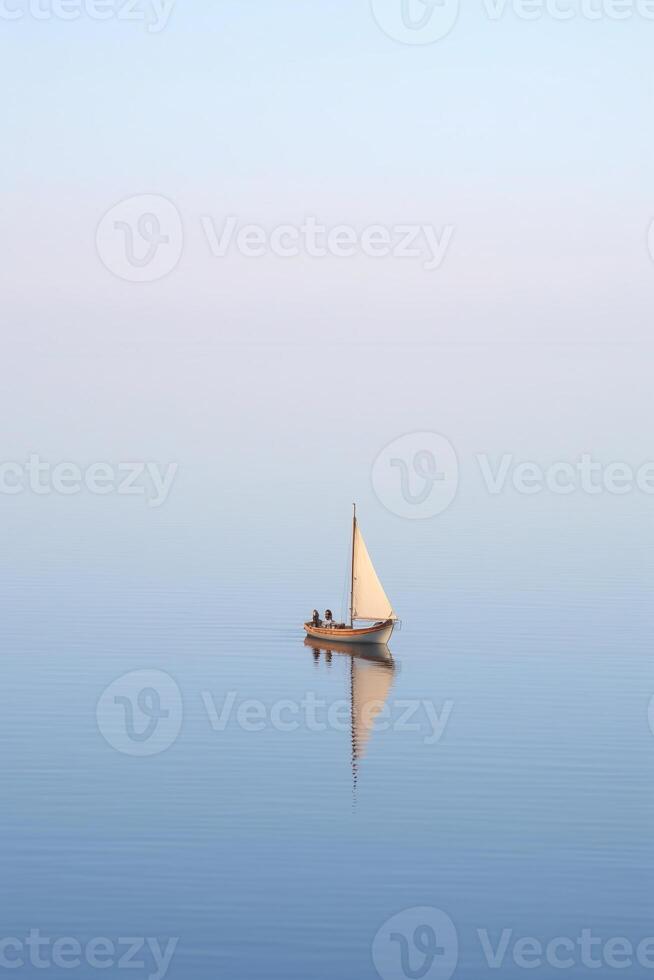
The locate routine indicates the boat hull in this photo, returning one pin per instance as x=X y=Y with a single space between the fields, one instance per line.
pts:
x=379 y=633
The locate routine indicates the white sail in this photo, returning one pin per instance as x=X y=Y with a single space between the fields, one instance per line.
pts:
x=369 y=601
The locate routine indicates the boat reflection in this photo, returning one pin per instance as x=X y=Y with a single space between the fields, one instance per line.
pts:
x=372 y=669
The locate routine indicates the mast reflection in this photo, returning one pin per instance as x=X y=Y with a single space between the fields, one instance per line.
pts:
x=371 y=676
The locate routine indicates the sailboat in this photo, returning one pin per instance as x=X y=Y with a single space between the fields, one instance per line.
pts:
x=368 y=601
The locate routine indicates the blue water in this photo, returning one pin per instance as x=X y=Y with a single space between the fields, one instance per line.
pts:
x=275 y=853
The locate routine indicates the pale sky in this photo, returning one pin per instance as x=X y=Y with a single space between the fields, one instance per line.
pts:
x=531 y=141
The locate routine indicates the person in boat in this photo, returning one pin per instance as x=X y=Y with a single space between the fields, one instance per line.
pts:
x=315 y=619
x=329 y=619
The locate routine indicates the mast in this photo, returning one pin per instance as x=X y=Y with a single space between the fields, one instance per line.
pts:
x=354 y=531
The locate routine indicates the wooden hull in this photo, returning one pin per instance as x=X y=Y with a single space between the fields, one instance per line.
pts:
x=379 y=633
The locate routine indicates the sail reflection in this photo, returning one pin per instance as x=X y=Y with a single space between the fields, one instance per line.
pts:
x=372 y=669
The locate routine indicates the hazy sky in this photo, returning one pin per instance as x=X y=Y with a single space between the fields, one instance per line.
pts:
x=527 y=144
x=532 y=140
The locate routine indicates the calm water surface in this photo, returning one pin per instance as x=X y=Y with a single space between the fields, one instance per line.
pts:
x=281 y=853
